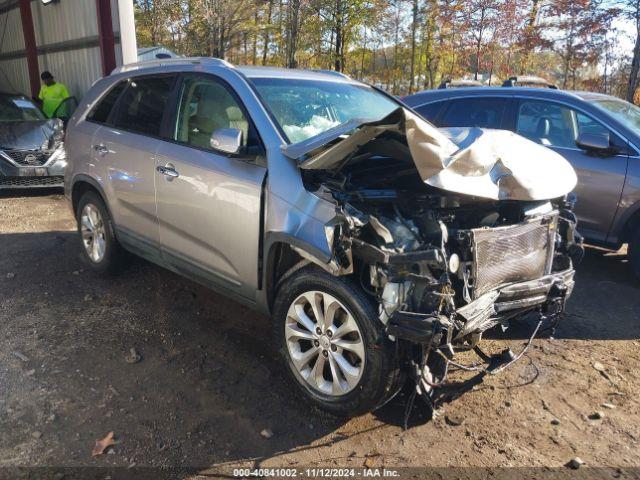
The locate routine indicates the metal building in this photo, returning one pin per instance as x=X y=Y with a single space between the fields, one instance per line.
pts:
x=152 y=53
x=78 y=41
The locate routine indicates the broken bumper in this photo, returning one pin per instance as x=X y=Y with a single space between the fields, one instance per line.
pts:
x=535 y=292
x=488 y=310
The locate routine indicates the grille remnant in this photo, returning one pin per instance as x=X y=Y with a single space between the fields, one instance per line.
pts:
x=515 y=253
x=19 y=182
x=28 y=158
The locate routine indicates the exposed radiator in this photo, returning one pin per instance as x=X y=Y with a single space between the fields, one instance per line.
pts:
x=515 y=253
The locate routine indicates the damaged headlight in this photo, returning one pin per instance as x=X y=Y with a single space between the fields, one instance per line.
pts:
x=392 y=298
x=57 y=138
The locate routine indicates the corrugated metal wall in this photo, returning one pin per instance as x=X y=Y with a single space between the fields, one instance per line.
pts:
x=13 y=71
x=77 y=69
x=67 y=40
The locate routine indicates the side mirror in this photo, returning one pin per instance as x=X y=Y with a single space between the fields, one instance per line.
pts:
x=227 y=140
x=595 y=143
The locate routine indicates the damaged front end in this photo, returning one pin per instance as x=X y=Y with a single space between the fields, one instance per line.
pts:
x=452 y=235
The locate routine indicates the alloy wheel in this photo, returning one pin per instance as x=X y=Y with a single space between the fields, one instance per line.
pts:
x=324 y=343
x=93 y=232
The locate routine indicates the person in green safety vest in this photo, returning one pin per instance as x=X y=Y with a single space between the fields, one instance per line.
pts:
x=52 y=94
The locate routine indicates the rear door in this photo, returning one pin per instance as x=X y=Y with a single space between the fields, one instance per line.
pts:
x=102 y=112
x=209 y=201
x=80 y=141
x=127 y=146
x=600 y=179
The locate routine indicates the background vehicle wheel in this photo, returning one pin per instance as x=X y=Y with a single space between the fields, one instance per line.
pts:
x=101 y=250
x=328 y=333
x=634 y=252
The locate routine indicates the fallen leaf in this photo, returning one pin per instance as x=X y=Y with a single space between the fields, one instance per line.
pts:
x=133 y=356
x=102 y=445
x=21 y=356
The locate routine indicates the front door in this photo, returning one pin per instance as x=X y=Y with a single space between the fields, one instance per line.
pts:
x=209 y=201
x=600 y=179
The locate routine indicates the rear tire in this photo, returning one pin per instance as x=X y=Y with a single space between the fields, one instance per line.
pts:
x=634 y=252
x=359 y=371
x=100 y=248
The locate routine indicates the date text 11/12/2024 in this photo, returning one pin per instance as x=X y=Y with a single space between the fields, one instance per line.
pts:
x=316 y=472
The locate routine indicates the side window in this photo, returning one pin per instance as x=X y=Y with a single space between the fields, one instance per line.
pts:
x=474 y=112
x=587 y=124
x=556 y=125
x=547 y=123
x=430 y=110
x=101 y=111
x=143 y=103
x=207 y=105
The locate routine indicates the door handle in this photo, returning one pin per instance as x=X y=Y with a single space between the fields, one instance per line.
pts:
x=101 y=149
x=168 y=171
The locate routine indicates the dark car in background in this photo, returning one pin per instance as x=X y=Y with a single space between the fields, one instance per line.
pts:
x=598 y=134
x=31 y=145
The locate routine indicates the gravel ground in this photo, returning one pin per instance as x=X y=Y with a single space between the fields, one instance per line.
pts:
x=207 y=383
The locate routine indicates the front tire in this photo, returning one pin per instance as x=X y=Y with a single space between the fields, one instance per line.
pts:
x=334 y=350
x=101 y=250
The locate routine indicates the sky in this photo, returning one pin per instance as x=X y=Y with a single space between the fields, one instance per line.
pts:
x=626 y=39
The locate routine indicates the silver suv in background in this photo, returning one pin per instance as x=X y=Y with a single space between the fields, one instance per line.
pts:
x=326 y=204
x=598 y=134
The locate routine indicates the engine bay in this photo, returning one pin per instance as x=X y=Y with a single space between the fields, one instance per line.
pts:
x=445 y=267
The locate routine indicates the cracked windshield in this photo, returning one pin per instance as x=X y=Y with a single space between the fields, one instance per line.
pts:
x=306 y=108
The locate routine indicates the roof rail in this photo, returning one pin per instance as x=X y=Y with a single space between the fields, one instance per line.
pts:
x=459 y=83
x=528 y=81
x=335 y=73
x=161 y=62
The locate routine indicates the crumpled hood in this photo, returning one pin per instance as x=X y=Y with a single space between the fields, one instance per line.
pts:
x=495 y=164
x=26 y=135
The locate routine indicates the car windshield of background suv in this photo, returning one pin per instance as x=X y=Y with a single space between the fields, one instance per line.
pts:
x=18 y=109
x=625 y=112
x=306 y=108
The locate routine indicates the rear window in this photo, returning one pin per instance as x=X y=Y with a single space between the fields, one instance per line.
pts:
x=474 y=112
x=101 y=111
x=143 y=103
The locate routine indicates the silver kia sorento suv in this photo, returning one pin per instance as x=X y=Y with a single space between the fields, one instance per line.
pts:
x=380 y=245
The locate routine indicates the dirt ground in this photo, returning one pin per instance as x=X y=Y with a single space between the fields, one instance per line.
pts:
x=208 y=382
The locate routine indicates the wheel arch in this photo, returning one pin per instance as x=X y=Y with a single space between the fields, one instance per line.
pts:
x=631 y=223
x=280 y=262
x=286 y=254
x=83 y=184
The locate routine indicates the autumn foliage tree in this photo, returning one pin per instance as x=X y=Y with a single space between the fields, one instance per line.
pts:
x=406 y=45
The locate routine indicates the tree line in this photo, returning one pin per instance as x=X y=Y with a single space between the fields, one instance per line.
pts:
x=409 y=45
